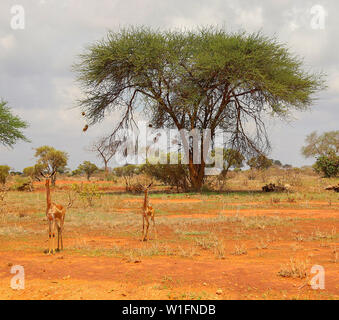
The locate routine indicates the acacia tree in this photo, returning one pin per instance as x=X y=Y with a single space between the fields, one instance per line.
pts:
x=325 y=148
x=321 y=145
x=33 y=172
x=231 y=159
x=104 y=150
x=51 y=160
x=261 y=162
x=127 y=172
x=10 y=126
x=88 y=168
x=205 y=79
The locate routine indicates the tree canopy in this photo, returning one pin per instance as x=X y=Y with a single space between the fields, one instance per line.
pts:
x=321 y=145
x=51 y=160
x=10 y=126
x=4 y=173
x=328 y=165
x=205 y=79
x=260 y=162
x=88 y=168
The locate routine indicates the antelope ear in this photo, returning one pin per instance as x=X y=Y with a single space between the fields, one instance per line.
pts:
x=150 y=185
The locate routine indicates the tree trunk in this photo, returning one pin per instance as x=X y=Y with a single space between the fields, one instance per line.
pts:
x=54 y=179
x=197 y=175
x=197 y=171
x=106 y=169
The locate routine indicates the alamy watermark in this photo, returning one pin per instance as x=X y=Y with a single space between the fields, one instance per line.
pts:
x=18 y=17
x=318 y=281
x=314 y=17
x=306 y=17
x=170 y=146
x=18 y=281
x=318 y=17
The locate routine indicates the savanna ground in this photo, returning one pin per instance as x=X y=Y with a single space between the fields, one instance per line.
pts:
x=239 y=244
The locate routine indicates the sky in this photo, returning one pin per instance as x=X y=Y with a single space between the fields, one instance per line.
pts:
x=36 y=59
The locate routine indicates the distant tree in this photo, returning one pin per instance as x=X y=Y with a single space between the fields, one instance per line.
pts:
x=10 y=126
x=88 y=168
x=327 y=164
x=175 y=175
x=277 y=163
x=127 y=172
x=34 y=172
x=325 y=148
x=204 y=79
x=105 y=150
x=261 y=162
x=76 y=172
x=4 y=173
x=287 y=166
x=51 y=160
x=321 y=145
x=30 y=172
x=16 y=173
x=231 y=159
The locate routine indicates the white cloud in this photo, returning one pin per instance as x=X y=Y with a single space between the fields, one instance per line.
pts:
x=249 y=19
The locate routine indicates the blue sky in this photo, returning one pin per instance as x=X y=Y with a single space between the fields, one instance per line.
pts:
x=37 y=81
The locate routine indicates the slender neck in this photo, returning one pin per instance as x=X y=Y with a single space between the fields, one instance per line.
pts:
x=48 y=193
x=146 y=198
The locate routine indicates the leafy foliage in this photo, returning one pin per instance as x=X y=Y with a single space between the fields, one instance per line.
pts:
x=321 y=145
x=203 y=79
x=261 y=162
x=176 y=175
x=328 y=165
x=51 y=160
x=231 y=159
x=34 y=172
x=4 y=173
x=10 y=126
x=277 y=163
x=87 y=192
x=88 y=168
x=127 y=172
x=22 y=184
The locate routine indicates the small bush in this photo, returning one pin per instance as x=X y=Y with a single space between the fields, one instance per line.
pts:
x=4 y=173
x=174 y=175
x=239 y=250
x=3 y=194
x=22 y=184
x=293 y=269
x=87 y=192
x=328 y=165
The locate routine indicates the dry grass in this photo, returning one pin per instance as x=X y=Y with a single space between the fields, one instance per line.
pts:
x=239 y=249
x=212 y=229
x=294 y=269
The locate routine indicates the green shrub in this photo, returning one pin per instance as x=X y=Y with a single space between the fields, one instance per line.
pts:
x=22 y=184
x=87 y=192
x=328 y=165
x=174 y=175
x=4 y=173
